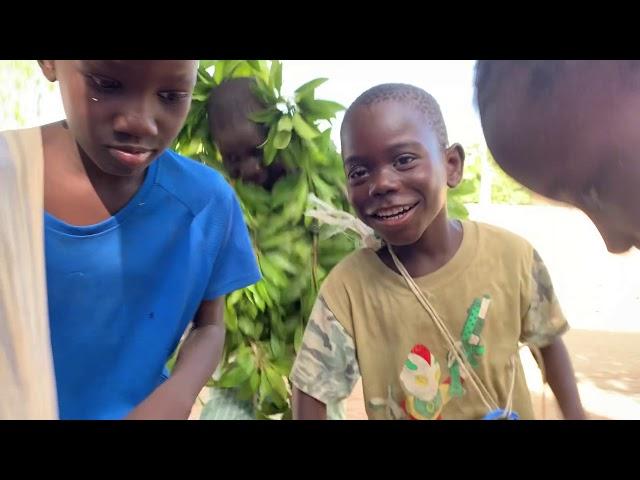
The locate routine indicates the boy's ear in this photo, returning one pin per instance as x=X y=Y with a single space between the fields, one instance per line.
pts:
x=454 y=157
x=48 y=68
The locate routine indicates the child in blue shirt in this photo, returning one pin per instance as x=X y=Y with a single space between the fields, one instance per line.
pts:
x=139 y=242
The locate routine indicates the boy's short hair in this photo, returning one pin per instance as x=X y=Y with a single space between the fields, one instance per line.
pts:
x=232 y=101
x=409 y=94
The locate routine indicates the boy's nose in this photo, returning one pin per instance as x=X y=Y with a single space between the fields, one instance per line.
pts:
x=384 y=182
x=138 y=123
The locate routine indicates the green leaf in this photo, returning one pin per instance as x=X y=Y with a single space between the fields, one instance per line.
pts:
x=259 y=328
x=277 y=347
x=244 y=393
x=324 y=191
x=205 y=78
x=254 y=381
x=264 y=390
x=284 y=238
x=308 y=88
x=295 y=209
x=265 y=92
x=277 y=382
x=261 y=290
x=270 y=150
x=303 y=129
x=218 y=74
x=257 y=298
x=250 y=309
x=233 y=377
x=233 y=298
x=456 y=209
x=230 y=66
x=281 y=192
x=465 y=188
x=313 y=149
x=274 y=293
x=205 y=64
x=277 y=326
x=267 y=116
x=321 y=108
x=285 y=124
x=255 y=64
x=231 y=319
x=282 y=139
x=275 y=75
x=284 y=364
x=246 y=360
x=283 y=262
x=200 y=97
x=254 y=194
x=272 y=273
x=202 y=129
x=246 y=326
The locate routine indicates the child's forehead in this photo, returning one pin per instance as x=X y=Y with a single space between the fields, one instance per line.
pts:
x=382 y=131
x=178 y=69
x=240 y=131
x=388 y=115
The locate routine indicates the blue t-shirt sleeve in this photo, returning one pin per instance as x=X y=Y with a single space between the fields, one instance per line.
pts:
x=235 y=266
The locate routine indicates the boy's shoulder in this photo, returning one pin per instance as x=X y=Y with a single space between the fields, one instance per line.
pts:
x=191 y=182
x=499 y=234
x=354 y=268
x=494 y=240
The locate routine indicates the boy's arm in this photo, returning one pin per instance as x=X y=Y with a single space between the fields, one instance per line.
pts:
x=305 y=407
x=562 y=379
x=197 y=359
x=326 y=368
x=542 y=327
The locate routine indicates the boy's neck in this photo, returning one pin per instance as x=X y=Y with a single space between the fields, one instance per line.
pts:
x=437 y=246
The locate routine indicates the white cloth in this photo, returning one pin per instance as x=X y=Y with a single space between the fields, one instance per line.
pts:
x=27 y=383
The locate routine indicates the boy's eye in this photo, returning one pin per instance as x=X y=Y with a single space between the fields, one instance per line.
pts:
x=357 y=172
x=404 y=160
x=103 y=83
x=173 y=96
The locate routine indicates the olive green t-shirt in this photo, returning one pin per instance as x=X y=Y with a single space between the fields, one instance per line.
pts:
x=367 y=322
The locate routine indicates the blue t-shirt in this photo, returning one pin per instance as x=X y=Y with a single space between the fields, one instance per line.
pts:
x=122 y=292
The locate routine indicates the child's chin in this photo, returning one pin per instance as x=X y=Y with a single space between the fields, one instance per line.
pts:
x=400 y=240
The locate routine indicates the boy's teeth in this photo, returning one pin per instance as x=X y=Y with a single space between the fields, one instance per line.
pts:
x=391 y=212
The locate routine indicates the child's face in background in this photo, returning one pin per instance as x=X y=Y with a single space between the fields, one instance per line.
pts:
x=397 y=172
x=577 y=142
x=124 y=113
x=239 y=144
